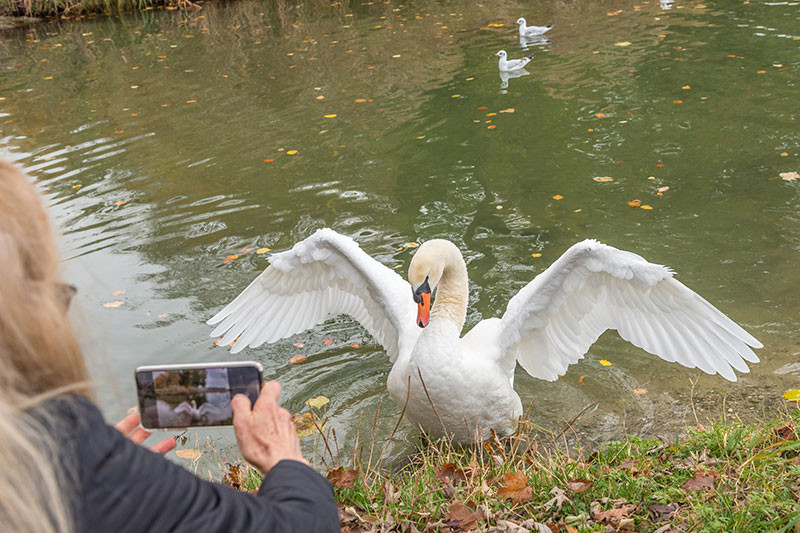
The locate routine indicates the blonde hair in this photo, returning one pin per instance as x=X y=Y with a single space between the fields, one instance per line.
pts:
x=39 y=359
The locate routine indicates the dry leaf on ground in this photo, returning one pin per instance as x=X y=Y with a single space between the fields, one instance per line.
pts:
x=461 y=516
x=515 y=486
x=579 y=485
x=341 y=478
x=699 y=482
x=559 y=498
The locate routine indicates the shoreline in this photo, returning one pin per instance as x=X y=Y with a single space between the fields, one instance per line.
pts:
x=723 y=476
x=18 y=13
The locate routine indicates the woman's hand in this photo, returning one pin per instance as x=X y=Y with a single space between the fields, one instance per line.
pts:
x=265 y=432
x=129 y=427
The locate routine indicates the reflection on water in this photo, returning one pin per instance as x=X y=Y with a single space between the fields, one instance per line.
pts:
x=167 y=142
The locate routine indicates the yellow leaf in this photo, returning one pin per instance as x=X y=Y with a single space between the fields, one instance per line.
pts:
x=455 y=96
x=304 y=424
x=229 y=259
x=536 y=255
x=332 y=115
x=78 y=186
x=262 y=250
x=191 y=101
x=645 y=206
x=686 y=87
x=557 y=197
x=792 y=395
x=291 y=152
x=602 y=179
x=490 y=114
x=784 y=154
x=509 y=110
x=495 y=24
x=622 y=43
x=412 y=245
x=115 y=303
x=317 y=402
x=189 y=453
x=599 y=115
x=604 y=362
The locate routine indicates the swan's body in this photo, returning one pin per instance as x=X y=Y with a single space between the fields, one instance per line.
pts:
x=548 y=325
x=531 y=31
x=510 y=65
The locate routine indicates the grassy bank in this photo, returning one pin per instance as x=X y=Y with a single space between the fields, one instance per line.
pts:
x=730 y=476
x=53 y=8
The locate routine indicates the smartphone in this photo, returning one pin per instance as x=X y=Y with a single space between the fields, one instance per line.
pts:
x=181 y=396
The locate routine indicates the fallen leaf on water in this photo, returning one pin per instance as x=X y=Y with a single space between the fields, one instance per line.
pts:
x=635 y=203
x=579 y=485
x=602 y=179
x=304 y=424
x=639 y=391
x=645 y=206
x=677 y=101
x=317 y=402
x=163 y=315
x=118 y=293
x=792 y=395
x=481 y=108
x=189 y=453
x=495 y=24
x=78 y=186
x=246 y=250
x=262 y=250
x=582 y=380
x=455 y=95
x=331 y=115
x=509 y=110
x=462 y=517
x=328 y=341
x=412 y=245
x=623 y=43
x=599 y=115
x=557 y=197
x=665 y=188
x=360 y=100
x=115 y=303
x=120 y=202
x=516 y=487
x=784 y=154
x=789 y=176
x=298 y=345
x=604 y=362
x=686 y=87
x=297 y=359
x=191 y=101
x=491 y=127
x=230 y=258
x=355 y=345
x=341 y=478
x=537 y=254
x=291 y=152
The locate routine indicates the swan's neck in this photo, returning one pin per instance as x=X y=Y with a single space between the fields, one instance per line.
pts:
x=453 y=291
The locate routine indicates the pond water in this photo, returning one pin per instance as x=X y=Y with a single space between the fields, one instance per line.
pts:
x=166 y=141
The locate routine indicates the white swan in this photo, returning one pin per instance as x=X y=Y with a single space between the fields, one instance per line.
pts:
x=508 y=65
x=530 y=31
x=548 y=325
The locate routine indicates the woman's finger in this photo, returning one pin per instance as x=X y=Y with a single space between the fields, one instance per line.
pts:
x=139 y=436
x=164 y=446
x=128 y=424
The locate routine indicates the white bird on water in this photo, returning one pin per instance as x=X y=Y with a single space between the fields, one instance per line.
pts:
x=508 y=65
x=530 y=31
x=465 y=385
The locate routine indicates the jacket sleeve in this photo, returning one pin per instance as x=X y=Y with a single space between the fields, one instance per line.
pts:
x=126 y=487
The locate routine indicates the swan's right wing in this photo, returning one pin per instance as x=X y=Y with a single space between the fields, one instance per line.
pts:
x=325 y=275
x=552 y=322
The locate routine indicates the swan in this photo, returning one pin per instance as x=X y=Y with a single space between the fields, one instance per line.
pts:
x=530 y=31
x=464 y=386
x=508 y=65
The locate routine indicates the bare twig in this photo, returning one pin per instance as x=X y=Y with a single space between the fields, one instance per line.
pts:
x=444 y=428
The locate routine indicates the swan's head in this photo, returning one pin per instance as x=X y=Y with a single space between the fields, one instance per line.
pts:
x=501 y=53
x=424 y=274
x=521 y=21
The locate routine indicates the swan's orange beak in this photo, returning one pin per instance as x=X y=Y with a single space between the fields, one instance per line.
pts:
x=424 y=309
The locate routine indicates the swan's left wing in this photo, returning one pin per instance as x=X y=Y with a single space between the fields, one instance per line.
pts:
x=552 y=321
x=325 y=275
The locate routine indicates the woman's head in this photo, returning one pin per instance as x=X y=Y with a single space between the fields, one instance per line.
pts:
x=38 y=350
x=39 y=358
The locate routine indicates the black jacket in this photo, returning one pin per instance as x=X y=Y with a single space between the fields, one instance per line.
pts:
x=124 y=487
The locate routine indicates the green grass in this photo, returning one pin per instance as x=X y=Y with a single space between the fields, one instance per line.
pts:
x=728 y=476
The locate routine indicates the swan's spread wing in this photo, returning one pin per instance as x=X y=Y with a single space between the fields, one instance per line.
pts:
x=325 y=275
x=552 y=322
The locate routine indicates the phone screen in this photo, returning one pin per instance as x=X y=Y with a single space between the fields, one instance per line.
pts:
x=185 y=397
